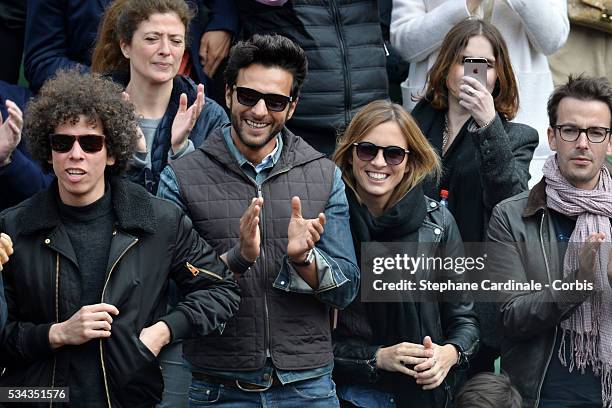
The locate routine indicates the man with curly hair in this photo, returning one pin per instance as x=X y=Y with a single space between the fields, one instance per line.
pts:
x=87 y=281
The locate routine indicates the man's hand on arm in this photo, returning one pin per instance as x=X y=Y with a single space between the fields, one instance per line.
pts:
x=90 y=322
x=156 y=337
x=214 y=47
x=302 y=235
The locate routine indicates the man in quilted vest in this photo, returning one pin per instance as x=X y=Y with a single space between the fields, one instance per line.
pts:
x=276 y=209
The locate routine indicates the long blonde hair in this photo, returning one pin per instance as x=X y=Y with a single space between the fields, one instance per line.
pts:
x=421 y=161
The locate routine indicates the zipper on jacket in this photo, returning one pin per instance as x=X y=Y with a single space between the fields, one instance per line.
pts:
x=57 y=263
x=347 y=80
x=102 y=300
x=196 y=271
x=265 y=275
x=552 y=349
x=264 y=269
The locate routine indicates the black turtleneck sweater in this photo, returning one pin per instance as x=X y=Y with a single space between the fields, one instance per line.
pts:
x=90 y=229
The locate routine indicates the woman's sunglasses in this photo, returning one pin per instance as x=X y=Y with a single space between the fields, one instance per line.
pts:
x=250 y=97
x=393 y=155
x=89 y=143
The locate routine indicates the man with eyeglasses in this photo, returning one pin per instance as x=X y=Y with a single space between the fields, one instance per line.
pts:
x=276 y=209
x=90 y=260
x=556 y=341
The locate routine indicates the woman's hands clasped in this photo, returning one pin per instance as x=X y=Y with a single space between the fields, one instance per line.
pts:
x=428 y=363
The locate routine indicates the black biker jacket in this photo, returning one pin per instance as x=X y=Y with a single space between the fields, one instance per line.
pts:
x=152 y=242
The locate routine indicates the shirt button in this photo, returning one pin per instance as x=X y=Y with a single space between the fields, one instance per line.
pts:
x=47 y=241
x=437 y=231
x=432 y=205
x=391 y=400
x=266 y=377
x=282 y=282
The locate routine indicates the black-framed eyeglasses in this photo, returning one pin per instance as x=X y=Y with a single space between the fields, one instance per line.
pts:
x=571 y=133
x=393 y=155
x=250 y=97
x=89 y=143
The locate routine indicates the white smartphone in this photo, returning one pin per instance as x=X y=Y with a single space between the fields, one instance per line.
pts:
x=476 y=68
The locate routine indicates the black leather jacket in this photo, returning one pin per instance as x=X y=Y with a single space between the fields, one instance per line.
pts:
x=152 y=242
x=446 y=322
x=529 y=319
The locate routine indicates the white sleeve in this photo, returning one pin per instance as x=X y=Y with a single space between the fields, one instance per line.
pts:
x=416 y=32
x=545 y=21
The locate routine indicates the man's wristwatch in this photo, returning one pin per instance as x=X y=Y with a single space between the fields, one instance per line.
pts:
x=309 y=259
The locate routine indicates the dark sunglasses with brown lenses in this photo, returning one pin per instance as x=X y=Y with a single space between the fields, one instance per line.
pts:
x=62 y=143
x=250 y=97
x=393 y=155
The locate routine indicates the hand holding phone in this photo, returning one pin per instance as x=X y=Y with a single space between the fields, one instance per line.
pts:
x=476 y=68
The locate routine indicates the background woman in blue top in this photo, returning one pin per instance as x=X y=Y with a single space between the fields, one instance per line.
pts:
x=141 y=44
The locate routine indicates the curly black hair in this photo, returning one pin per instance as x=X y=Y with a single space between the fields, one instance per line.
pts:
x=70 y=94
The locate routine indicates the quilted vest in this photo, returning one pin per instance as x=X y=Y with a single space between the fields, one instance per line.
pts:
x=294 y=328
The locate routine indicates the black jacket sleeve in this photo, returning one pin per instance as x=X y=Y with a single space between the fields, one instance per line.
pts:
x=459 y=323
x=505 y=150
x=210 y=292
x=354 y=361
x=21 y=342
x=523 y=314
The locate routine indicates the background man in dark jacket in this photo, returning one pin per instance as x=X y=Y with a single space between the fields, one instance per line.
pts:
x=346 y=59
x=87 y=284
x=291 y=248
x=556 y=338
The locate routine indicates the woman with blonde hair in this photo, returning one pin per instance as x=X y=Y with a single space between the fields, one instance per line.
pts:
x=398 y=353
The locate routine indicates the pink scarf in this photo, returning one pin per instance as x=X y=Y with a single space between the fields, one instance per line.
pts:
x=589 y=327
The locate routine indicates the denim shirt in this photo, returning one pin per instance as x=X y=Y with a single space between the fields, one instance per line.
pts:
x=337 y=285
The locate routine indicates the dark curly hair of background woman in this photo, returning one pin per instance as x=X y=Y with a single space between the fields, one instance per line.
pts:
x=70 y=94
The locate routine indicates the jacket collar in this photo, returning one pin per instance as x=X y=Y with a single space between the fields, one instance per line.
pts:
x=132 y=205
x=295 y=150
x=536 y=200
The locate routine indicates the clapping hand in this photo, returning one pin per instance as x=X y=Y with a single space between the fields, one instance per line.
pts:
x=249 y=230
x=302 y=233
x=10 y=132
x=185 y=119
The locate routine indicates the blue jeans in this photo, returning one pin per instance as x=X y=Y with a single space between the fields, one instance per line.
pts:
x=317 y=392
x=177 y=377
x=366 y=396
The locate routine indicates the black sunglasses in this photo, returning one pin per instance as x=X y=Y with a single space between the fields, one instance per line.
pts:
x=393 y=155
x=89 y=143
x=250 y=97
